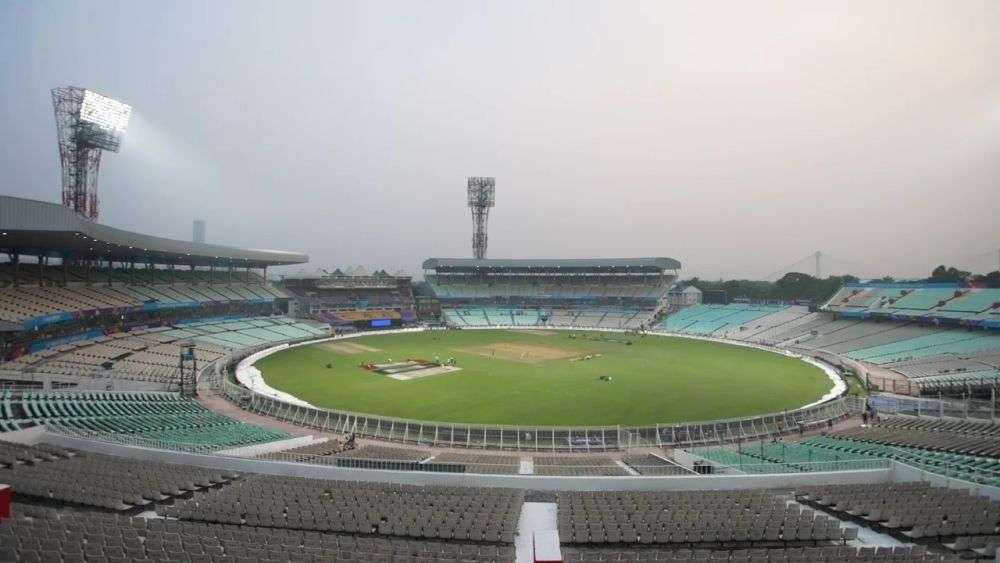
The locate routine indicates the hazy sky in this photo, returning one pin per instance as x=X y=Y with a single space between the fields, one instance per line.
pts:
x=737 y=137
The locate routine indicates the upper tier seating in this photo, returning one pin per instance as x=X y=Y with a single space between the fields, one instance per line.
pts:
x=582 y=317
x=553 y=287
x=927 y=301
x=937 y=343
x=152 y=354
x=20 y=304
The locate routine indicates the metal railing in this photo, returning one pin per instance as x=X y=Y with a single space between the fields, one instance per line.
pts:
x=765 y=468
x=888 y=404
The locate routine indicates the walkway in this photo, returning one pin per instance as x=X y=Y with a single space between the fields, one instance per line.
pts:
x=535 y=517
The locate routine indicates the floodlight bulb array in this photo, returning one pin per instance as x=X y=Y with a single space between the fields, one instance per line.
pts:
x=106 y=113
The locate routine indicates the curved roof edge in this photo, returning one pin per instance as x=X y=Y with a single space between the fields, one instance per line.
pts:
x=40 y=227
x=569 y=263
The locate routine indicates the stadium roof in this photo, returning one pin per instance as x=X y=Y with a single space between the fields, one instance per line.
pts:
x=34 y=227
x=569 y=264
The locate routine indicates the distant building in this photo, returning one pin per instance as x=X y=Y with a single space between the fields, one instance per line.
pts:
x=199 y=231
x=680 y=297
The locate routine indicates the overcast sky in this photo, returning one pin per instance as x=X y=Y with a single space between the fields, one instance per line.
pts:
x=737 y=137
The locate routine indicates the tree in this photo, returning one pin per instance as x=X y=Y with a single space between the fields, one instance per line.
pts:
x=943 y=274
x=991 y=279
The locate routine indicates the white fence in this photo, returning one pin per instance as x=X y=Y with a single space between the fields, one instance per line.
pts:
x=889 y=404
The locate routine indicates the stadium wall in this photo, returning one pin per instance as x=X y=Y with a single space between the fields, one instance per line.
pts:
x=533 y=482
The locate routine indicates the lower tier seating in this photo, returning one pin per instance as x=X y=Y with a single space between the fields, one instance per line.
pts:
x=39 y=534
x=175 y=422
x=752 y=555
x=691 y=517
x=916 y=509
x=582 y=466
x=368 y=508
x=106 y=482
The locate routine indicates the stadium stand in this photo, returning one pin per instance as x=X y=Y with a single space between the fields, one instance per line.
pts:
x=577 y=466
x=733 y=518
x=70 y=287
x=106 y=482
x=755 y=555
x=85 y=316
x=946 y=303
x=844 y=452
x=650 y=464
x=488 y=515
x=387 y=453
x=38 y=533
x=934 y=337
x=482 y=463
x=151 y=354
x=718 y=320
x=916 y=509
x=166 y=418
x=353 y=299
x=613 y=294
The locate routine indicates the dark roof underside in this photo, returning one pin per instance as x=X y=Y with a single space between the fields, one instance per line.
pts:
x=41 y=228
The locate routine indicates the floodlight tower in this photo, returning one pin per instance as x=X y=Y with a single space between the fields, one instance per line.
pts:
x=481 y=198
x=87 y=123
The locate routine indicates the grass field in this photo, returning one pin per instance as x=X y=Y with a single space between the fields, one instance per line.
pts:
x=535 y=378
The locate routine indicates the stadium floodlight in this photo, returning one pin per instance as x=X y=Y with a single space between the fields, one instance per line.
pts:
x=482 y=196
x=104 y=112
x=87 y=123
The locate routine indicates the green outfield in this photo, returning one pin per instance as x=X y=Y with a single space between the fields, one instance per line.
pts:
x=543 y=378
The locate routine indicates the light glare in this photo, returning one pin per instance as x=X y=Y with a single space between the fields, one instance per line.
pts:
x=106 y=113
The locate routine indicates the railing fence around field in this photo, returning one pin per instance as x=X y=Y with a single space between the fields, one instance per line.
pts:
x=518 y=438
x=888 y=404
